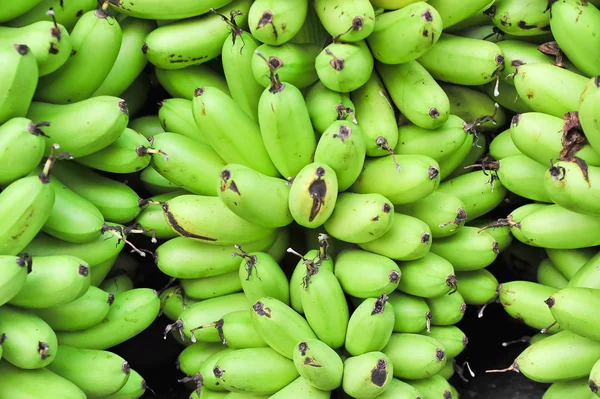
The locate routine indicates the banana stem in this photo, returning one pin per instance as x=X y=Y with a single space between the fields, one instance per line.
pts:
x=177 y=325
x=142 y=151
x=273 y=63
x=513 y=367
x=119 y=232
x=524 y=339
x=197 y=378
x=384 y=145
x=45 y=175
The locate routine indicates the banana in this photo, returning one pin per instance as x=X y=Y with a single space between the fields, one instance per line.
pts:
x=167 y=48
x=573 y=187
x=97 y=373
x=435 y=386
x=130 y=61
x=91 y=308
x=285 y=126
x=556 y=99
x=370 y=326
x=174 y=301
x=293 y=62
x=254 y=370
x=84 y=127
x=131 y=313
x=524 y=301
x=502 y=146
x=469 y=249
x=452 y=15
x=577 y=388
x=53 y=281
x=191 y=359
x=19 y=80
x=312 y=30
x=402 y=179
x=209 y=379
x=415 y=92
x=155 y=183
x=148 y=125
x=572 y=309
x=375 y=115
x=66 y=14
x=116 y=201
x=296 y=280
x=152 y=218
x=452 y=337
x=299 y=388
x=261 y=276
x=189 y=164
x=346 y=22
x=447 y=309
x=592 y=384
x=472 y=105
x=237 y=330
x=520 y=19
x=22 y=147
x=235 y=143
x=518 y=214
x=477 y=287
x=412 y=314
x=381 y=276
x=117 y=285
x=14 y=10
x=344 y=67
x=418 y=26
x=326 y=106
x=96 y=41
x=134 y=388
x=415 y=356
x=548 y=274
x=569 y=261
x=136 y=96
x=462 y=60
x=15 y=382
x=275 y=23
x=181 y=83
x=428 y=277
x=391 y=4
x=506 y=95
x=14 y=275
x=587 y=116
x=320 y=365
x=211 y=287
x=278 y=249
x=367 y=375
x=29 y=342
x=153 y=9
x=452 y=162
x=474 y=155
x=176 y=116
x=49 y=42
x=400 y=389
x=500 y=233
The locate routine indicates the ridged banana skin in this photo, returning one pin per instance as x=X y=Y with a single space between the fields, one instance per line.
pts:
x=275 y=23
x=569 y=261
x=14 y=275
x=98 y=373
x=579 y=388
x=367 y=375
x=299 y=388
x=351 y=21
x=167 y=48
x=524 y=300
x=452 y=15
x=572 y=308
x=96 y=40
x=520 y=19
x=155 y=9
x=131 y=313
x=25 y=206
x=587 y=116
x=18 y=81
x=320 y=365
x=16 y=382
x=22 y=147
x=370 y=326
x=567 y=186
x=365 y=274
x=67 y=15
x=296 y=64
x=134 y=388
x=428 y=277
x=477 y=287
x=29 y=341
x=344 y=67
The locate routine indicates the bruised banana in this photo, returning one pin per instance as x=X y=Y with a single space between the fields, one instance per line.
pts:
x=19 y=80
x=367 y=375
x=274 y=22
x=319 y=364
x=22 y=147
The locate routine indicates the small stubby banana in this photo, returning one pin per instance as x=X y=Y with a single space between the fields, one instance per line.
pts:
x=296 y=280
x=371 y=326
x=578 y=388
x=367 y=375
x=117 y=284
x=415 y=356
x=15 y=381
x=175 y=115
x=134 y=388
x=502 y=146
x=211 y=287
x=452 y=15
x=261 y=276
x=447 y=309
x=238 y=331
x=380 y=277
x=548 y=274
x=346 y=22
x=571 y=308
x=14 y=275
x=299 y=388
x=435 y=386
x=153 y=9
x=428 y=277
x=473 y=106
x=326 y=106
x=181 y=83
x=412 y=315
x=274 y=22
x=152 y=218
x=518 y=19
x=477 y=249
x=569 y=261
x=425 y=104
x=293 y=62
x=19 y=80
x=477 y=287
x=193 y=357
x=588 y=118
x=453 y=338
x=148 y=125
x=320 y=365
x=524 y=300
x=573 y=187
x=22 y=147
x=344 y=67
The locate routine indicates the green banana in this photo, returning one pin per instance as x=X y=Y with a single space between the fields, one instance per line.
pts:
x=274 y=22
x=153 y=9
x=400 y=389
x=126 y=263
x=587 y=117
x=392 y=4
x=412 y=314
x=435 y=386
x=452 y=15
x=91 y=308
x=517 y=215
x=255 y=370
x=472 y=105
x=155 y=183
x=131 y=313
x=96 y=41
x=299 y=388
x=11 y=11
x=175 y=115
x=235 y=143
x=174 y=301
x=346 y=22
x=296 y=280
x=312 y=30
x=370 y=326
x=475 y=154
x=518 y=19
x=447 y=309
x=462 y=60
x=367 y=375
x=152 y=218
x=326 y=106
x=453 y=161
x=500 y=233
x=19 y=80
x=148 y=125
x=548 y=274
x=572 y=187
x=375 y=115
x=193 y=357
x=469 y=249
x=502 y=146
x=137 y=94
x=531 y=82
x=237 y=331
x=209 y=379
x=477 y=287
x=425 y=104
x=181 y=83
x=524 y=301
x=211 y=287
x=66 y=14
x=134 y=388
x=578 y=388
x=294 y=63
x=320 y=365
x=29 y=342
x=278 y=249
x=428 y=277
x=572 y=307
x=268 y=280
x=569 y=261
x=15 y=382
x=14 y=275
x=506 y=95
x=53 y=281
x=84 y=127
x=22 y=147
x=167 y=48
x=117 y=285
x=592 y=384
x=415 y=356
x=402 y=179
x=364 y=274
x=452 y=337
x=344 y=67
x=49 y=42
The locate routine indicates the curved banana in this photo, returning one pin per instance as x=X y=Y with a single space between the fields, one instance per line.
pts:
x=117 y=285
x=502 y=146
x=370 y=326
x=428 y=277
x=346 y=21
x=477 y=287
x=320 y=365
x=573 y=187
x=155 y=9
x=447 y=310
x=237 y=330
x=299 y=388
x=261 y=276
x=381 y=276
x=548 y=274
x=293 y=62
x=415 y=356
x=66 y=14
x=148 y=125
x=326 y=106
x=274 y=22
x=191 y=358
x=454 y=340
x=569 y=261
x=175 y=115
x=469 y=249
x=13 y=276
x=587 y=116
x=134 y=388
x=181 y=83
x=344 y=67
x=19 y=74
x=524 y=300
x=516 y=18
x=15 y=381
x=412 y=314
x=22 y=147
x=571 y=308
x=435 y=386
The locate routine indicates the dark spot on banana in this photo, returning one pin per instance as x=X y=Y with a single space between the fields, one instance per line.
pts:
x=53 y=49
x=515 y=120
x=23 y=49
x=336 y=63
x=463 y=308
x=275 y=62
x=550 y=302
x=233 y=187
x=434 y=113
x=310 y=361
x=425 y=238
x=427 y=16
x=43 y=349
x=505 y=20
x=447 y=394
x=111 y=299
x=375 y=219
x=199 y=91
x=317 y=191
x=393 y=276
x=179 y=229
x=545 y=28
x=530 y=94
x=145 y=48
x=379 y=373
x=303 y=347
x=24 y=260
x=379 y=305
x=2 y=338
x=123 y=107
x=440 y=354
x=218 y=372
x=490 y=11
x=357 y=23
x=83 y=270
x=259 y=309
x=344 y=132
x=79 y=13
x=597 y=81
x=495 y=248
x=425 y=33
x=126 y=368
x=465 y=341
x=452 y=283
x=433 y=172
x=386 y=208
x=594 y=387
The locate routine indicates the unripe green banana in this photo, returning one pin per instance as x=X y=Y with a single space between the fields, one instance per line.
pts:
x=344 y=67
x=462 y=60
x=181 y=83
x=520 y=19
x=452 y=162
x=502 y=146
x=238 y=331
x=572 y=308
x=320 y=365
x=367 y=375
x=155 y=183
x=573 y=187
x=294 y=63
x=152 y=218
x=468 y=249
x=11 y=11
x=472 y=105
x=500 y=233
x=474 y=155
x=364 y=274
x=117 y=285
x=191 y=359
x=299 y=388
x=452 y=337
x=148 y=125
x=370 y=327
x=400 y=390
x=402 y=179
x=167 y=48
x=15 y=382
x=65 y=14
x=435 y=386
x=261 y=276
x=96 y=41
x=296 y=280
x=14 y=271
x=415 y=356
x=240 y=142
x=447 y=309
x=209 y=379
x=173 y=302
x=531 y=82
x=587 y=116
x=91 y=308
x=477 y=287
x=274 y=22
x=506 y=95
x=134 y=388
x=425 y=104
x=22 y=147
x=153 y=9
x=326 y=106
x=524 y=300
x=19 y=80
x=191 y=165
x=569 y=261
x=346 y=22
x=49 y=42
x=278 y=249
x=84 y=127
x=28 y=341
x=578 y=388
x=131 y=313
x=175 y=115
x=212 y=287
x=254 y=370
x=412 y=315
x=517 y=215
x=375 y=115
x=593 y=378
x=137 y=94
x=452 y=15
x=428 y=277
x=548 y=274
x=409 y=238
x=392 y=4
